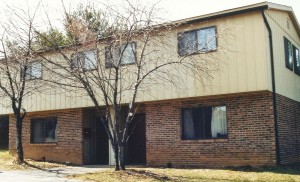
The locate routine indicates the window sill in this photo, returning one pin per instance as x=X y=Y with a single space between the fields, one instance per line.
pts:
x=207 y=140
x=43 y=144
x=198 y=52
x=121 y=65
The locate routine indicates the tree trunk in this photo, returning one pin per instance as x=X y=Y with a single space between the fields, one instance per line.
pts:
x=122 y=156
x=20 y=154
x=116 y=152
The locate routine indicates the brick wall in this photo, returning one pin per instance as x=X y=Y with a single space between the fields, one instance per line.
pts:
x=288 y=114
x=251 y=134
x=69 y=137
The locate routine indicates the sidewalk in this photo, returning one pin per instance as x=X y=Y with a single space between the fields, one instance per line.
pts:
x=48 y=175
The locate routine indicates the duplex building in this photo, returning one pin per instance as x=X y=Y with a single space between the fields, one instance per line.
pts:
x=247 y=114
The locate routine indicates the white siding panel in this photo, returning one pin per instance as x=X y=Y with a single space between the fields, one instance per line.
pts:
x=287 y=82
x=242 y=56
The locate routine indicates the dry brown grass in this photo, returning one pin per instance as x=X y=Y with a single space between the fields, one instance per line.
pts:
x=193 y=175
x=8 y=162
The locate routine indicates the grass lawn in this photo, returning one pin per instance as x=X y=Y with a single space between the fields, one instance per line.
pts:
x=8 y=162
x=194 y=175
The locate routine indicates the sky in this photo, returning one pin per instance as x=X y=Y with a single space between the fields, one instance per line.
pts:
x=170 y=9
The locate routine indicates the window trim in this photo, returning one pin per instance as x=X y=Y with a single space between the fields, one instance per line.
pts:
x=198 y=51
x=83 y=52
x=197 y=107
x=108 y=66
x=31 y=130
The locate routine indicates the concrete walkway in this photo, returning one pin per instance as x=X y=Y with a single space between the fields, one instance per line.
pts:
x=47 y=175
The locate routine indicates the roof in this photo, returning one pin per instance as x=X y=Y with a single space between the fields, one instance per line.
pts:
x=243 y=9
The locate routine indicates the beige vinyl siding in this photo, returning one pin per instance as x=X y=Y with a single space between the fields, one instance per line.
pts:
x=243 y=59
x=287 y=82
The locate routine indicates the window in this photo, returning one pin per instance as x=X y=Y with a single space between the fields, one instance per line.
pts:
x=112 y=55
x=204 y=123
x=43 y=130
x=86 y=60
x=34 y=71
x=296 y=61
x=201 y=40
x=288 y=54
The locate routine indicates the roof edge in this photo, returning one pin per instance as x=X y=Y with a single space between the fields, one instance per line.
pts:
x=224 y=13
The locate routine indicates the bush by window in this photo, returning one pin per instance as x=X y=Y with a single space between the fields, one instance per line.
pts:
x=288 y=54
x=204 y=123
x=33 y=71
x=296 y=61
x=84 y=60
x=43 y=130
x=125 y=52
x=200 y=40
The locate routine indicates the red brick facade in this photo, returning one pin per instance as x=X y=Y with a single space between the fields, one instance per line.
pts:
x=68 y=147
x=250 y=126
x=251 y=133
x=288 y=117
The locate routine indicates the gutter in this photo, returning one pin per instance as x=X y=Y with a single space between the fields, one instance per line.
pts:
x=273 y=87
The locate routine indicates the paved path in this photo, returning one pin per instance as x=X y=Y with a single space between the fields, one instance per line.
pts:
x=49 y=175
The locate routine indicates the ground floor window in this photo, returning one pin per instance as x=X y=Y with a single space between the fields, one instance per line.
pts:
x=204 y=123
x=43 y=130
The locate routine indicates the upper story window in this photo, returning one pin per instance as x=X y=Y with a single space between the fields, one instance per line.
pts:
x=43 y=130
x=204 y=123
x=200 y=40
x=288 y=54
x=296 y=61
x=86 y=60
x=125 y=52
x=33 y=71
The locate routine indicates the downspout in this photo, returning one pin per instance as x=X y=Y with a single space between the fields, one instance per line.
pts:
x=273 y=88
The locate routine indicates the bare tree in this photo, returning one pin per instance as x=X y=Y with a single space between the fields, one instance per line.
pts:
x=16 y=70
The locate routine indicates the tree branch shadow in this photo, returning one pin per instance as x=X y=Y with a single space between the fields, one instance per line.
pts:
x=148 y=174
x=293 y=169
x=57 y=172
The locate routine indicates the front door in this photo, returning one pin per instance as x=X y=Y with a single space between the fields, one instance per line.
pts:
x=95 y=140
x=4 y=132
x=136 y=150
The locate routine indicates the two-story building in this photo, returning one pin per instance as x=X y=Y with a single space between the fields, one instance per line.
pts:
x=248 y=114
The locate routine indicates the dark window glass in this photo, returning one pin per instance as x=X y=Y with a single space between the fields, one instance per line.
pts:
x=43 y=130
x=187 y=43
x=296 y=61
x=204 y=123
x=288 y=54
x=201 y=40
